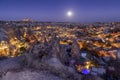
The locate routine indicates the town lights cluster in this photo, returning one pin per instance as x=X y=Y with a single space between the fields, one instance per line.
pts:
x=4 y=48
x=12 y=48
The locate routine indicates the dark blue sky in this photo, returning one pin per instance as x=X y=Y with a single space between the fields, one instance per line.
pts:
x=55 y=10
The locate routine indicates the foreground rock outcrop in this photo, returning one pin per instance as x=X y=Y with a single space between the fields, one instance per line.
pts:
x=43 y=61
x=30 y=75
x=11 y=64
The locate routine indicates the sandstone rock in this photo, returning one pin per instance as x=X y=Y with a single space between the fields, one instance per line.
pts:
x=11 y=64
x=118 y=54
x=75 y=49
x=99 y=70
x=30 y=75
x=55 y=63
x=71 y=70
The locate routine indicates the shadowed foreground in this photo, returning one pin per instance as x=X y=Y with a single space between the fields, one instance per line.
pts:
x=30 y=75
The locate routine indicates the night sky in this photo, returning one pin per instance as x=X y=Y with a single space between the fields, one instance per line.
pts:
x=55 y=10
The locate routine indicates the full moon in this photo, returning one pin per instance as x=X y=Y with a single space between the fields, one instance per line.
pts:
x=69 y=13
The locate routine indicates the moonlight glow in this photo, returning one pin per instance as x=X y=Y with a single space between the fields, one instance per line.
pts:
x=69 y=13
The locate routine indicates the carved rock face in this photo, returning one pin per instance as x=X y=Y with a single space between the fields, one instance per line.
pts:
x=75 y=49
x=55 y=50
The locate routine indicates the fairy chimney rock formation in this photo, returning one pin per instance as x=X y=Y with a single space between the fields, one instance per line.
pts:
x=75 y=50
